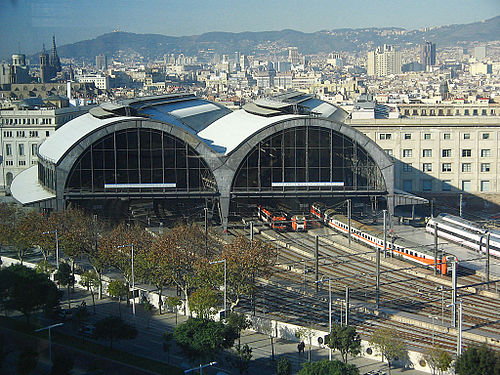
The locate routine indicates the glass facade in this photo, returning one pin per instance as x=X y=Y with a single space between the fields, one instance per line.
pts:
x=308 y=158
x=140 y=160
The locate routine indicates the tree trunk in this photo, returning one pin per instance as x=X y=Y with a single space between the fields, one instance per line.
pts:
x=73 y=275
x=160 y=302
x=186 y=306
x=119 y=306
x=93 y=299
x=309 y=354
x=69 y=297
x=272 y=347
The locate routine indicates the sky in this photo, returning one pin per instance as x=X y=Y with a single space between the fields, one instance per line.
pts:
x=26 y=24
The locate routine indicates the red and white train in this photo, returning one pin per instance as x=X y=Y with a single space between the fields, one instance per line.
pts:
x=374 y=238
x=280 y=221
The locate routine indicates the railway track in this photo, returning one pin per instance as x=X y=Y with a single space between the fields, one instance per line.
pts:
x=410 y=293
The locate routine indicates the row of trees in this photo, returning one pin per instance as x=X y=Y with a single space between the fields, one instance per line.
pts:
x=179 y=257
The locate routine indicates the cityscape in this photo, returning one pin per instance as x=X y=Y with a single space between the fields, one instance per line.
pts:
x=241 y=201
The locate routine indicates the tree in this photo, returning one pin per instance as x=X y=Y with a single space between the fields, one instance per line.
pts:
x=203 y=302
x=25 y=290
x=45 y=267
x=174 y=303
x=27 y=361
x=239 y=322
x=9 y=214
x=284 y=367
x=90 y=280
x=80 y=316
x=478 y=360
x=204 y=338
x=244 y=356
x=118 y=289
x=437 y=359
x=114 y=328
x=65 y=278
x=245 y=260
x=389 y=345
x=149 y=309
x=345 y=339
x=326 y=367
x=303 y=334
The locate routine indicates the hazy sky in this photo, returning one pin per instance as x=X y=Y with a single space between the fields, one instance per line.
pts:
x=29 y=23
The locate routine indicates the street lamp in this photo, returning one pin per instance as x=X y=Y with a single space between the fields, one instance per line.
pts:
x=329 y=310
x=433 y=328
x=459 y=328
x=441 y=288
x=50 y=338
x=57 y=245
x=225 y=282
x=133 y=281
x=200 y=368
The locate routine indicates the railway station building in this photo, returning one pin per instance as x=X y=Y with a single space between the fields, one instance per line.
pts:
x=175 y=154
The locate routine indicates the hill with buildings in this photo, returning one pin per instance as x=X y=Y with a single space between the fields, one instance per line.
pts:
x=151 y=46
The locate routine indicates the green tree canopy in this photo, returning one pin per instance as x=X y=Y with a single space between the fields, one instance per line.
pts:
x=478 y=360
x=437 y=358
x=345 y=339
x=65 y=277
x=284 y=367
x=326 y=367
x=203 y=302
x=204 y=338
x=25 y=290
x=389 y=344
x=114 y=328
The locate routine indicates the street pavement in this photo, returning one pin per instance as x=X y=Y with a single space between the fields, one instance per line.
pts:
x=149 y=344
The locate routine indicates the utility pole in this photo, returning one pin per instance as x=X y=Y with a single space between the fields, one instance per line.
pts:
x=454 y=266
x=377 y=290
x=251 y=231
x=385 y=232
x=206 y=230
x=432 y=208
x=436 y=248
x=349 y=219
x=487 y=271
x=316 y=265
x=460 y=204
x=346 y=305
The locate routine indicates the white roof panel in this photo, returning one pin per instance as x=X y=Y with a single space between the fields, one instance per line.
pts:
x=196 y=110
x=26 y=189
x=230 y=131
x=54 y=147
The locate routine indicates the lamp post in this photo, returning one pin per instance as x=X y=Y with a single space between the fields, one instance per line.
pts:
x=133 y=281
x=50 y=338
x=225 y=282
x=57 y=245
x=200 y=367
x=329 y=310
x=441 y=288
x=433 y=330
x=459 y=328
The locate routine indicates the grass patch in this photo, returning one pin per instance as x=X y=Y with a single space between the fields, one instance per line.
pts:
x=92 y=347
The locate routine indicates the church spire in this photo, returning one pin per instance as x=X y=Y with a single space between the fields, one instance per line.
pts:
x=54 y=61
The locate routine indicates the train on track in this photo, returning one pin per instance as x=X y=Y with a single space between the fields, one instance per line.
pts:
x=374 y=238
x=465 y=233
x=282 y=221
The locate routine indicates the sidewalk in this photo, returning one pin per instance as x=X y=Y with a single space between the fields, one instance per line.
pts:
x=149 y=343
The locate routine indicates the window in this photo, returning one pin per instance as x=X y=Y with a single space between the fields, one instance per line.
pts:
x=21 y=150
x=34 y=148
x=9 y=162
x=388 y=152
x=47 y=133
x=407 y=153
x=22 y=162
x=466 y=185
x=407 y=136
x=485 y=167
x=446 y=136
x=8 y=149
x=426 y=185
x=407 y=167
x=466 y=167
x=20 y=134
x=384 y=136
x=446 y=153
x=446 y=167
x=485 y=186
x=427 y=153
x=446 y=185
x=427 y=136
x=466 y=153
x=33 y=133
x=485 y=153
x=466 y=112
x=483 y=112
x=427 y=167
x=407 y=185
x=7 y=134
x=466 y=135
x=486 y=135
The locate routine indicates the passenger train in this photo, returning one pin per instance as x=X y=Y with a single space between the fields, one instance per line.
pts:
x=373 y=237
x=280 y=221
x=465 y=233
